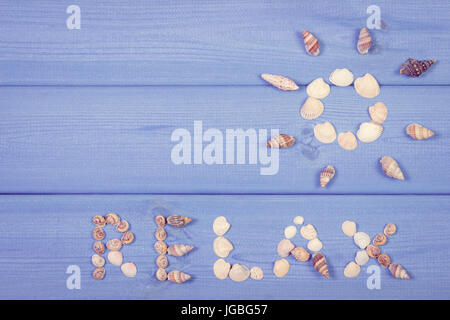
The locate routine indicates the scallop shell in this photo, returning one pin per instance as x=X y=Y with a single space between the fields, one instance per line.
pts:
x=391 y=169
x=352 y=270
x=369 y=131
x=114 y=244
x=390 y=229
x=97 y=260
x=311 y=43
x=364 y=41
x=398 y=271
x=308 y=232
x=349 y=228
x=379 y=240
x=299 y=220
x=256 y=273
x=347 y=140
x=285 y=246
x=280 y=82
x=129 y=269
x=221 y=226
x=361 y=239
x=341 y=77
x=300 y=254
x=325 y=132
x=326 y=175
x=281 y=268
x=178 y=250
x=160 y=247
x=115 y=258
x=178 y=221
x=161 y=274
x=367 y=86
x=239 y=272
x=362 y=257
x=418 y=132
x=178 y=277
x=378 y=112
x=415 y=68
x=221 y=269
x=160 y=234
x=318 y=89
x=290 y=232
x=222 y=247
x=384 y=260
x=320 y=264
x=373 y=251
x=315 y=245
x=311 y=109
x=162 y=261
x=281 y=141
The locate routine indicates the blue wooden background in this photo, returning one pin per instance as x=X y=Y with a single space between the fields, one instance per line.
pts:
x=86 y=118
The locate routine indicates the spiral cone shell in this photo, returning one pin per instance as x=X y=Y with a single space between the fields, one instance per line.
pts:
x=391 y=169
x=326 y=175
x=178 y=276
x=414 y=68
x=398 y=271
x=364 y=41
x=418 y=132
x=311 y=43
x=320 y=264
x=280 y=82
x=177 y=220
x=179 y=250
x=281 y=141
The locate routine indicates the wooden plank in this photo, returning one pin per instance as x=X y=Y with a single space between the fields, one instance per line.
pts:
x=118 y=140
x=131 y=42
x=42 y=235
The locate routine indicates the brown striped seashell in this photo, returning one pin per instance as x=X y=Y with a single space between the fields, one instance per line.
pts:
x=160 y=234
x=281 y=268
x=384 y=260
x=99 y=273
x=239 y=272
x=281 y=141
x=325 y=132
x=378 y=112
x=418 y=132
x=347 y=140
x=178 y=250
x=221 y=269
x=326 y=175
x=127 y=237
x=373 y=251
x=99 y=221
x=178 y=221
x=415 y=68
x=114 y=244
x=98 y=233
x=320 y=264
x=123 y=226
x=318 y=89
x=390 y=229
x=178 y=276
x=300 y=254
x=280 y=82
x=341 y=77
x=398 y=271
x=379 y=240
x=311 y=109
x=311 y=43
x=391 y=169
x=160 y=247
x=367 y=86
x=364 y=41
x=99 y=247
x=160 y=221
x=285 y=247
x=112 y=219
x=162 y=261
x=161 y=274
x=369 y=131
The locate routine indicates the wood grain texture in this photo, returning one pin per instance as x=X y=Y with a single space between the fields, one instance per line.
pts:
x=42 y=235
x=135 y=42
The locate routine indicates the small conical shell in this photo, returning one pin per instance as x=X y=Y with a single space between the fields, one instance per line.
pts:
x=177 y=220
x=341 y=77
x=281 y=141
x=178 y=276
x=326 y=175
x=415 y=68
x=347 y=140
x=320 y=264
x=378 y=112
x=367 y=86
x=221 y=269
x=369 y=131
x=300 y=254
x=222 y=247
x=311 y=43
x=391 y=168
x=418 y=132
x=281 y=268
x=311 y=109
x=239 y=273
x=318 y=89
x=280 y=82
x=178 y=250
x=398 y=271
x=325 y=132
x=364 y=41
x=285 y=246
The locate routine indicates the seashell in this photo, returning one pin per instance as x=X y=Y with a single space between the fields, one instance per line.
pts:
x=99 y=273
x=99 y=247
x=160 y=234
x=311 y=109
x=127 y=237
x=362 y=257
x=178 y=221
x=112 y=219
x=390 y=229
x=160 y=247
x=280 y=82
x=129 y=269
x=178 y=250
x=326 y=175
x=178 y=277
x=315 y=245
x=308 y=232
x=324 y=132
x=221 y=269
x=222 y=247
x=98 y=233
x=281 y=141
x=373 y=251
x=384 y=260
x=398 y=271
x=162 y=261
x=285 y=246
x=311 y=43
x=221 y=226
x=299 y=220
x=114 y=244
x=378 y=112
x=369 y=131
x=379 y=240
x=352 y=270
x=290 y=231
x=341 y=77
x=160 y=221
x=347 y=140
x=415 y=68
x=256 y=273
x=318 y=89
x=99 y=221
x=349 y=228
x=239 y=272
x=391 y=169
x=367 y=86
x=281 y=268
x=418 y=132
x=161 y=274
x=122 y=226
x=320 y=264
x=115 y=258
x=364 y=41
x=300 y=254
x=361 y=239
x=97 y=260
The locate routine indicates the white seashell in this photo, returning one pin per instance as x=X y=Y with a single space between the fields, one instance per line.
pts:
x=129 y=269
x=378 y=112
x=98 y=260
x=311 y=109
x=369 y=131
x=318 y=89
x=367 y=86
x=299 y=220
x=222 y=247
x=285 y=247
x=280 y=82
x=361 y=239
x=391 y=168
x=324 y=132
x=239 y=273
x=256 y=273
x=347 y=140
x=221 y=226
x=290 y=231
x=349 y=228
x=362 y=257
x=115 y=258
x=352 y=270
x=341 y=77
x=308 y=232
x=221 y=269
x=281 y=268
x=315 y=245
